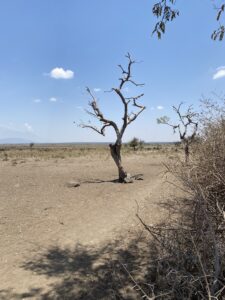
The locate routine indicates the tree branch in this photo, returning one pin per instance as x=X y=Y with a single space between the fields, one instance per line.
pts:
x=127 y=79
x=127 y=119
x=127 y=73
x=186 y=121
x=141 y=107
x=165 y=11
x=99 y=115
x=100 y=131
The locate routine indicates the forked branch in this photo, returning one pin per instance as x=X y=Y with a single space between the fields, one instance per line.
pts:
x=128 y=117
x=187 y=126
x=99 y=115
x=127 y=73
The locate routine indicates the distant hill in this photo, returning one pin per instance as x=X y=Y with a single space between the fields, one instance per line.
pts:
x=15 y=141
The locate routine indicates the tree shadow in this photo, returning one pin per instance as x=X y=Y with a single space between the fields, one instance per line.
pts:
x=114 y=271
x=133 y=177
x=10 y=295
x=100 y=181
x=132 y=267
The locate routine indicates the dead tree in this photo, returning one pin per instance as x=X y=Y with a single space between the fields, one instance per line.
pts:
x=127 y=117
x=187 y=127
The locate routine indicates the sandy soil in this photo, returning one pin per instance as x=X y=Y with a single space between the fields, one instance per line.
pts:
x=38 y=212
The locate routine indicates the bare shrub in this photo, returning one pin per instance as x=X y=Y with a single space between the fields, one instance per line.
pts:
x=5 y=156
x=190 y=260
x=186 y=126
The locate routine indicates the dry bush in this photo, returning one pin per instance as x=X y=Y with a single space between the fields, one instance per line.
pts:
x=190 y=260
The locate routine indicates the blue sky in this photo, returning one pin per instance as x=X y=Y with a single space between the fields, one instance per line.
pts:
x=82 y=42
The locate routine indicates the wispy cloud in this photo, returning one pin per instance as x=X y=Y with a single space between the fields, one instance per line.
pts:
x=60 y=73
x=10 y=126
x=28 y=127
x=97 y=90
x=220 y=72
x=160 y=107
x=52 y=99
x=37 y=100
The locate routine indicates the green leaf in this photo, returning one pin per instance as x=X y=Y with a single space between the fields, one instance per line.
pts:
x=162 y=27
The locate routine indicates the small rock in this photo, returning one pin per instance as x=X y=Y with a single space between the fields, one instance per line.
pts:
x=73 y=184
x=128 y=179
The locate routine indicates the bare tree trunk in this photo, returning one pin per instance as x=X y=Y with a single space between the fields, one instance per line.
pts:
x=186 y=152
x=127 y=118
x=115 y=152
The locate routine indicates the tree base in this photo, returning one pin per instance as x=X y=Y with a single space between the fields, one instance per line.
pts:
x=124 y=177
x=130 y=179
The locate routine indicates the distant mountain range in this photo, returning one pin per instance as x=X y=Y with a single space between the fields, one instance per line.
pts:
x=15 y=141
x=13 y=136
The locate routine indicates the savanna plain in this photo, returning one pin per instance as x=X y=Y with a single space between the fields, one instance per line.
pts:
x=69 y=230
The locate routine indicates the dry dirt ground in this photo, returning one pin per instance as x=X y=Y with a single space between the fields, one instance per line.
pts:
x=60 y=242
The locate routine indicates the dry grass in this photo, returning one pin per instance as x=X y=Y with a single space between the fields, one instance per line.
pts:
x=57 y=151
x=190 y=246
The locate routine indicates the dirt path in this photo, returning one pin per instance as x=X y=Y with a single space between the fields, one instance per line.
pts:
x=39 y=211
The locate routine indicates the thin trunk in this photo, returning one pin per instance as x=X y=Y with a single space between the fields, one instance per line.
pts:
x=115 y=152
x=186 y=151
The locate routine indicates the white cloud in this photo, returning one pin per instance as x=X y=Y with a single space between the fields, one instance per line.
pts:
x=37 y=100
x=60 y=73
x=97 y=90
x=220 y=72
x=160 y=107
x=28 y=127
x=52 y=99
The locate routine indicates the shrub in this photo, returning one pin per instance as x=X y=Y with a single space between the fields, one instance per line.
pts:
x=135 y=143
x=190 y=260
